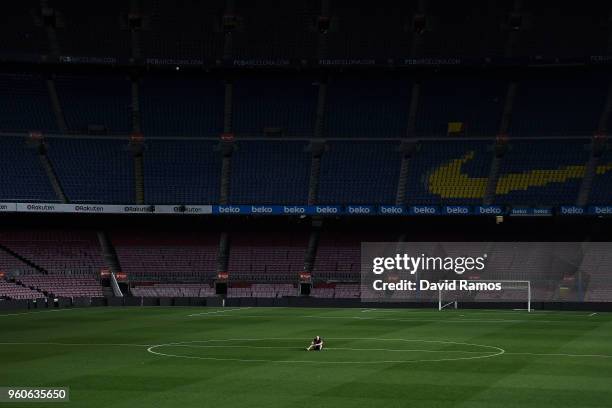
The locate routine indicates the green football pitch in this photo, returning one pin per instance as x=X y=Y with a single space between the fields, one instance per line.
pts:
x=255 y=357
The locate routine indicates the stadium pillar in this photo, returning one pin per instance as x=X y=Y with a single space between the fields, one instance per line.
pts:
x=137 y=149
x=316 y=150
x=135 y=106
x=319 y=129
x=500 y=145
x=56 y=106
x=407 y=149
x=313 y=244
x=227 y=108
x=227 y=149
x=223 y=253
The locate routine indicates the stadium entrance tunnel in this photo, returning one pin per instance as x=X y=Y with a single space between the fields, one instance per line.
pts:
x=337 y=350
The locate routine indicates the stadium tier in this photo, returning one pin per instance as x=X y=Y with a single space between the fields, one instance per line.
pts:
x=359 y=173
x=167 y=257
x=10 y=290
x=558 y=107
x=63 y=286
x=368 y=108
x=270 y=172
x=281 y=106
x=474 y=105
x=181 y=107
x=274 y=258
x=98 y=170
x=56 y=251
x=535 y=172
x=25 y=103
x=449 y=173
x=21 y=162
x=97 y=104
x=173 y=290
x=184 y=171
x=93 y=170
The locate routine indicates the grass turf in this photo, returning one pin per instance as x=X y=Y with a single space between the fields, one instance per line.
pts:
x=390 y=358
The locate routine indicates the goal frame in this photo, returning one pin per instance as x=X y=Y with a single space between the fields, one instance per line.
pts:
x=455 y=303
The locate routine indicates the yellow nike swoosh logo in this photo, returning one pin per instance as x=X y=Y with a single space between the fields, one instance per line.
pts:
x=448 y=181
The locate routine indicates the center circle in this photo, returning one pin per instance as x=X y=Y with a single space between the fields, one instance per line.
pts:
x=342 y=350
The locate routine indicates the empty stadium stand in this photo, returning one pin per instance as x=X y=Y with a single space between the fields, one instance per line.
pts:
x=449 y=173
x=476 y=103
x=173 y=290
x=19 y=162
x=59 y=252
x=266 y=258
x=270 y=172
x=95 y=103
x=537 y=172
x=182 y=172
x=363 y=107
x=10 y=290
x=553 y=107
x=361 y=172
x=278 y=106
x=93 y=170
x=25 y=103
x=181 y=107
x=63 y=286
x=166 y=257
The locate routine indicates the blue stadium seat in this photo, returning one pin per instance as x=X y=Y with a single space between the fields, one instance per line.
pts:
x=103 y=101
x=558 y=107
x=22 y=177
x=367 y=108
x=477 y=103
x=25 y=103
x=93 y=170
x=182 y=172
x=270 y=172
x=181 y=107
x=359 y=173
x=286 y=104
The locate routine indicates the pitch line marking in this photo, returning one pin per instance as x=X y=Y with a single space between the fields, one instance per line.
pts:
x=30 y=313
x=498 y=351
x=337 y=338
x=410 y=319
x=219 y=311
x=186 y=345
x=50 y=343
x=560 y=355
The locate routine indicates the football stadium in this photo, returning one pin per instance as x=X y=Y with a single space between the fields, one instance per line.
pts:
x=328 y=203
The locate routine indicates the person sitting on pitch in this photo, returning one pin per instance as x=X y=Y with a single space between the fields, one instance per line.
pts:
x=316 y=344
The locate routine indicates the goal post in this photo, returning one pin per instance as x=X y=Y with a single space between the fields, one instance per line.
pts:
x=483 y=291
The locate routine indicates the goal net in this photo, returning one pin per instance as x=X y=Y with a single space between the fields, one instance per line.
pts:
x=511 y=292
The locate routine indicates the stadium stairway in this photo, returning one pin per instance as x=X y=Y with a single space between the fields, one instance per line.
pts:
x=19 y=258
